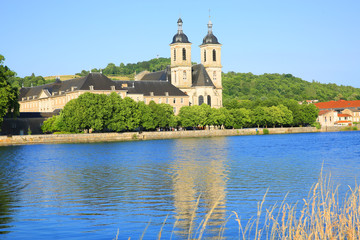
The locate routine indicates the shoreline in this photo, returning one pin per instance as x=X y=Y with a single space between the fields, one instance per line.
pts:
x=136 y=136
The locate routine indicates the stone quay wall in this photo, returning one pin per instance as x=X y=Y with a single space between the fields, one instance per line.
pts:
x=136 y=136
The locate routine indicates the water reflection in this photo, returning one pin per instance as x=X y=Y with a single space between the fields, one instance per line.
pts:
x=199 y=171
x=10 y=184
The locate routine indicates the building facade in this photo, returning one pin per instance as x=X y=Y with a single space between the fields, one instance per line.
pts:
x=201 y=82
x=338 y=113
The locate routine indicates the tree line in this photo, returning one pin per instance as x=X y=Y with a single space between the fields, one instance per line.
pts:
x=153 y=65
x=111 y=113
x=8 y=94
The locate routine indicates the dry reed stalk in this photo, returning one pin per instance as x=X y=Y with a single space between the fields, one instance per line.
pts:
x=176 y=222
x=162 y=226
x=193 y=216
x=207 y=219
x=142 y=236
x=322 y=216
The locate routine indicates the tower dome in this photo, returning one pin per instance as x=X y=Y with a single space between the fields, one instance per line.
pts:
x=210 y=37
x=180 y=37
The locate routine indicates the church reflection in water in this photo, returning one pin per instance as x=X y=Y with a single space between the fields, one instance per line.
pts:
x=199 y=171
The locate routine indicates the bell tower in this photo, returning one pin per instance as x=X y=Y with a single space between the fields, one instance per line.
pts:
x=210 y=51
x=180 y=52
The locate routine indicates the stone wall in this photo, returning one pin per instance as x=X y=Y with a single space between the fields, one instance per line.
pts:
x=135 y=136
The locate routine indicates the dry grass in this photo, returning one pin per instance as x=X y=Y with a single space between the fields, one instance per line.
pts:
x=62 y=77
x=321 y=216
x=124 y=78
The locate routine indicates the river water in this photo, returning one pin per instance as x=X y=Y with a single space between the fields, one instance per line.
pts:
x=91 y=191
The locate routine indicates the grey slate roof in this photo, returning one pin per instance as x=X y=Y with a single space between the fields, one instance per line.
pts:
x=180 y=38
x=164 y=75
x=210 y=39
x=101 y=82
x=158 y=88
x=97 y=80
x=200 y=77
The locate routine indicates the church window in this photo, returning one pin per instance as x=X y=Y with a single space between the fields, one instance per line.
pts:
x=174 y=54
x=214 y=55
x=167 y=100
x=174 y=100
x=175 y=77
x=204 y=55
x=201 y=100
x=182 y=100
x=174 y=109
x=214 y=76
x=209 y=100
x=184 y=54
x=184 y=75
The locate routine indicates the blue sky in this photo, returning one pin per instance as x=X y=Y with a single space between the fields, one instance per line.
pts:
x=313 y=40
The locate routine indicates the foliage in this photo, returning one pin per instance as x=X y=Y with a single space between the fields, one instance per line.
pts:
x=8 y=94
x=248 y=86
x=241 y=117
x=317 y=125
x=29 y=81
x=153 y=65
x=51 y=124
x=266 y=131
x=162 y=114
x=99 y=113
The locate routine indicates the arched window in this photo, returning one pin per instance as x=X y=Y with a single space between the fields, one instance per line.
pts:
x=209 y=100
x=214 y=55
x=204 y=55
x=201 y=100
x=174 y=54
x=184 y=54
x=184 y=75
x=175 y=77
x=214 y=76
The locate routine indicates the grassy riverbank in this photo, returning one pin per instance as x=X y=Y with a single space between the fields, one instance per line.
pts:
x=322 y=215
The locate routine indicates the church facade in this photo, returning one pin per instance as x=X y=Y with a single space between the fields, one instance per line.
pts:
x=180 y=84
x=201 y=82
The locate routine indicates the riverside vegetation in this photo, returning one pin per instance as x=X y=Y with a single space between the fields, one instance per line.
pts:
x=322 y=215
x=103 y=113
x=249 y=101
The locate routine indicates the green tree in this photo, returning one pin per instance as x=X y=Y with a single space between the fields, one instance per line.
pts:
x=241 y=117
x=261 y=116
x=88 y=111
x=297 y=112
x=162 y=114
x=8 y=94
x=218 y=116
x=286 y=116
x=311 y=112
x=52 y=124
x=146 y=119
x=189 y=117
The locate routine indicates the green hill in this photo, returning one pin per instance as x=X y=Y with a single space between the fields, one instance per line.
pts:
x=260 y=87
x=239 y=86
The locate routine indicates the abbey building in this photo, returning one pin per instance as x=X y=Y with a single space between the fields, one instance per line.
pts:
x=180 y=84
